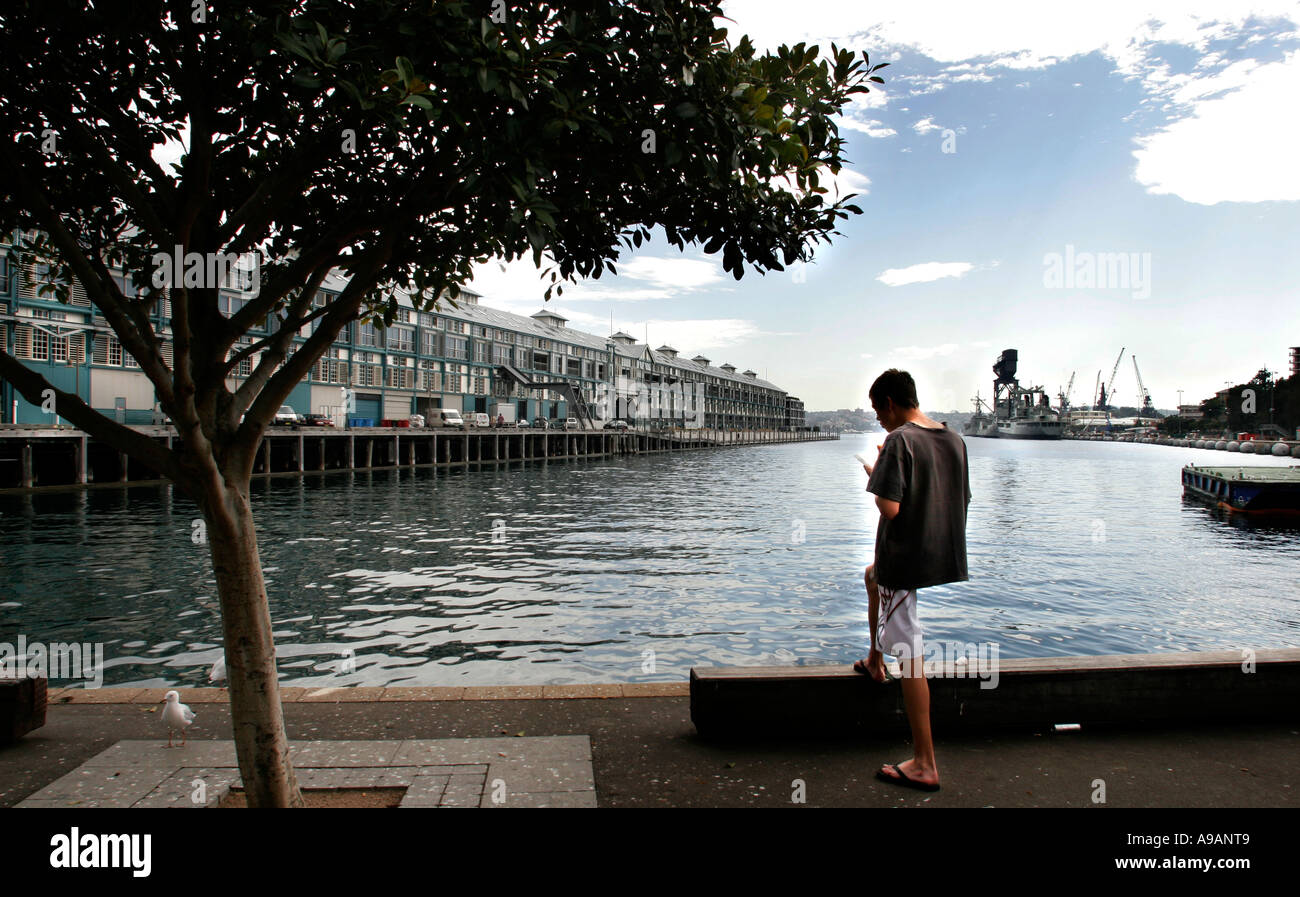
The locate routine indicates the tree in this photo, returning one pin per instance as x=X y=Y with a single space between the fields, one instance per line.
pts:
x=395 y=142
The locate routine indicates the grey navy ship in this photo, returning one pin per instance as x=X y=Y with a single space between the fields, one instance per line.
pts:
x=1016 y=412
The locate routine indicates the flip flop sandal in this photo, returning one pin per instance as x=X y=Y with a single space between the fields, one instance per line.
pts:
x=903 y=779
x=860 y=667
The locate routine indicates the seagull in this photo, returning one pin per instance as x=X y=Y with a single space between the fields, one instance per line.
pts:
x=218 y=671
x=176 y=716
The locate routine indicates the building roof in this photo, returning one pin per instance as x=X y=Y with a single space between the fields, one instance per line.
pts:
x=544 y=324
x=550 y=317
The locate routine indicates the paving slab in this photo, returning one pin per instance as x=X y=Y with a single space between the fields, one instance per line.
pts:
x=425 y=791
x=342 y=753
x=444 y=771
x=156 y=755
x=568 y=799
x=99 y=786
x=462 y=796
x=543 y=775
x=146 y=774
x=181 y=789
x=451 y=751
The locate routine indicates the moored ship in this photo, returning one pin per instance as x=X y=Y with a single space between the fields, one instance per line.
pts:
x=1017 y=412
x=983 y=422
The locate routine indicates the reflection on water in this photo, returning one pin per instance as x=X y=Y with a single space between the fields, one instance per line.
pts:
x=639 y=568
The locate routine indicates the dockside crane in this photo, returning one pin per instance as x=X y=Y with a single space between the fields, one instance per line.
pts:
x=1147 y=408
x=1108 y=397
x=1065 y=396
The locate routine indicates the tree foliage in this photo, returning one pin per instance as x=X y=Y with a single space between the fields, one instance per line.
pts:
x=399 y=143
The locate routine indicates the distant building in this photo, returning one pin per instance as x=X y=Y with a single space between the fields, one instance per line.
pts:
x=470 y=358
x=1295 y=361
x=794 y=414
x=1190 y=411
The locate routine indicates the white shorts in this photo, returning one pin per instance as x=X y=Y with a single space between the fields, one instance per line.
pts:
x=898 y=629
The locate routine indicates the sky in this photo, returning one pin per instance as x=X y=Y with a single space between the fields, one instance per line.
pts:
x=1067 y=181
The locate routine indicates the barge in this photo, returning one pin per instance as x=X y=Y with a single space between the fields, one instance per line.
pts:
x=1263 y=491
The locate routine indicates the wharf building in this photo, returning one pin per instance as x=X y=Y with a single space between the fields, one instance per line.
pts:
x=471 y=358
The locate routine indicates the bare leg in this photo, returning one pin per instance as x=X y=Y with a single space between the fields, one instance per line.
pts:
x=875 y=660
x=916 y=698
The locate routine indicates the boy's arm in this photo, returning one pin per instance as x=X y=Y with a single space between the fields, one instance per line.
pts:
x=888 y=478
x=888 y=509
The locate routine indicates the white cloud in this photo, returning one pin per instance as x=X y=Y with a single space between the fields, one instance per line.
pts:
x=691 y=337
x=976 y=42
x=1238 y=147
x=846 y=182
x=682 y=273
x=925 y=125
x=871 y=127
x=518 y=286
x=1013 y=33
x=923 y=273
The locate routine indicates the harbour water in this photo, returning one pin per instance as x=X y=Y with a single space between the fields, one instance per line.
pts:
x=638 y=568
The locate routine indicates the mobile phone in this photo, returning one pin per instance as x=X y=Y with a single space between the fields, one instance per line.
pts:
x=862 y=460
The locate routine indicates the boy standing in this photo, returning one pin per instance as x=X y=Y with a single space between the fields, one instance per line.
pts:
x=922 y=489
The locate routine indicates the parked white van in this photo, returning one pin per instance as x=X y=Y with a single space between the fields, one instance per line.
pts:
x=450 y=417
x=481 y=419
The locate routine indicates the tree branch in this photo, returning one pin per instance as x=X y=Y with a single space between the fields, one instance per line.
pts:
x=33 y=387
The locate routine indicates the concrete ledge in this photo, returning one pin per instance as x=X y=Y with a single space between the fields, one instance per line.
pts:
x=502 y=692
x=1130 y=689
x=342 y=693
x=22 y=706
x=425 y=693
x=582 y=691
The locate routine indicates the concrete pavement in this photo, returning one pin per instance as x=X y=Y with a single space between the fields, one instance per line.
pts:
x=644 y=751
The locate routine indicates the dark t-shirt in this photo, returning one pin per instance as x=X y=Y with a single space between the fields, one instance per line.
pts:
x=924 y=470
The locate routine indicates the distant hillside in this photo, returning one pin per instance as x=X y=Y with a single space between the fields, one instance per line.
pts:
x=955 y=419
x=843 y=419
x=865 y=421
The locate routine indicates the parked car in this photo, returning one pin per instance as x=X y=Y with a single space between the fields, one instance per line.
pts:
x=540 y=423
x=450 y=417
x=570 y=423
x=522 y=422
x=616 y=425
x=481 y=419
x=416 y=420
x=317 y=420
x=286 y=416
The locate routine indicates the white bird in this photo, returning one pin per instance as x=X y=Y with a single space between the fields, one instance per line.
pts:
x=218 y=671
x=176 y=716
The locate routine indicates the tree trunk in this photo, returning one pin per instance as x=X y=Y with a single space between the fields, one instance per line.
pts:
x=261 y=744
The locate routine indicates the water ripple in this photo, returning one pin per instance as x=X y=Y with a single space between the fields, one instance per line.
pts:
x=640 y=568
